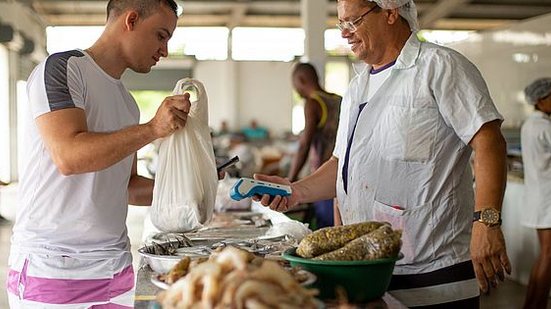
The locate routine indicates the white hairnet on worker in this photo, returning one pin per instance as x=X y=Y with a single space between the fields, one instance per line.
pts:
x=406 y=9
x=538 y=89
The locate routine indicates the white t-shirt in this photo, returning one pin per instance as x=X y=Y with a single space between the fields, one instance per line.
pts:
x=409 y=161
x=80 y=215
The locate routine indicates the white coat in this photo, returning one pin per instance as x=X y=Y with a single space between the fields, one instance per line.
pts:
x=409 y=161
x=536 y=157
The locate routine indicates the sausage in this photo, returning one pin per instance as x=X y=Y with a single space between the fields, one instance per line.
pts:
x=331 y=238
x=384 y=242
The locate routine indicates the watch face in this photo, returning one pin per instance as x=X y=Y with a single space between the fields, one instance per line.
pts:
x=489 y=216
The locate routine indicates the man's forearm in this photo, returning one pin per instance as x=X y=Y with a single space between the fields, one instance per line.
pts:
x=490 y=169
x=140 y=191
x=321 y=184
x=90 y=151
x=488 y=248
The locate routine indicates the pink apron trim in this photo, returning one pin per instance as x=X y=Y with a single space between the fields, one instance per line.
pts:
x=15 y=279
x=71 y=291
x=122 y=282
x=110 y=306
x=12 y=282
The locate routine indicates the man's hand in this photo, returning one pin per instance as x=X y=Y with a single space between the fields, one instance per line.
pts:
x=278 y=203
x=171 y=115
x=489 y=255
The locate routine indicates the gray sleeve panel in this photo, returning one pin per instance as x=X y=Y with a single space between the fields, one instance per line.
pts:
x=55 y=80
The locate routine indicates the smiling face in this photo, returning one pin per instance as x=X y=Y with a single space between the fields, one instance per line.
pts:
x=366 y=41
x=147 y=38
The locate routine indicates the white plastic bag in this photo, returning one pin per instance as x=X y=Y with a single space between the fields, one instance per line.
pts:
x=185 y=184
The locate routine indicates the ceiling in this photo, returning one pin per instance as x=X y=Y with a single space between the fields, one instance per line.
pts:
x=433 y=14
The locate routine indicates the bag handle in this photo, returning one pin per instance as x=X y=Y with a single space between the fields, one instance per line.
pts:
x=199 y=104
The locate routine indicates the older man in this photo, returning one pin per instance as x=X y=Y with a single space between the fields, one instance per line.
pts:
x=411 y=118
x=70 y=247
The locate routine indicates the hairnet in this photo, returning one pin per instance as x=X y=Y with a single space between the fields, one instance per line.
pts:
x=537 y=90
x=406 y=9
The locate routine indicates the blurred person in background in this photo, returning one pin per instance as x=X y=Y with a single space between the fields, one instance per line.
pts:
x=255 y=133
x=317 y=140
x=224 y=128
x=70 y=247
x=536 y=158
x=412 y=116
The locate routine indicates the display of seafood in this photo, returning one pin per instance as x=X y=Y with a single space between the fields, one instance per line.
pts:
x=260 y=246
x=167 y=243
x=186 y=264
x=234 y=278
x=241 y=230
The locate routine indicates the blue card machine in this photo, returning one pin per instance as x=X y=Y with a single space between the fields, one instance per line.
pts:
x=247 y=187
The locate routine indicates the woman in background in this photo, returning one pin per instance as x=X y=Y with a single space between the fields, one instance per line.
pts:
x=536 y=156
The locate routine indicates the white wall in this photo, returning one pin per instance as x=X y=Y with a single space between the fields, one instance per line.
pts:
x=509 y=60
x=4 y=116
x=25 y=22
x=266 y=94
x=241 y=91
x=21 y=18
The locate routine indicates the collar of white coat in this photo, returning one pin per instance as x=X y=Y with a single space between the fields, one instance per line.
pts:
x=540 y=114
x=407 y=58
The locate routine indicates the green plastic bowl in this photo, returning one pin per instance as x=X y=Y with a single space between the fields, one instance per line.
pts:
x=361 y=280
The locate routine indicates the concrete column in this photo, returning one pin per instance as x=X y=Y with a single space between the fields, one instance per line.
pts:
x=232 y=109
x=232 y=87
x=314 y=16
x=13 y=62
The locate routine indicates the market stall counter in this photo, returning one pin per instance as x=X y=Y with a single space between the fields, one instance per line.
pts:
x=146 y=293
x=260 y=231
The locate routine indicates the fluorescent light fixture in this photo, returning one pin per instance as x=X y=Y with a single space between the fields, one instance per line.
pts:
x=267 y=44
x=523 y=38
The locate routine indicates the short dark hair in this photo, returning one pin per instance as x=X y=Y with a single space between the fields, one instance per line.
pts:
x=144 y=7
x=307 y=70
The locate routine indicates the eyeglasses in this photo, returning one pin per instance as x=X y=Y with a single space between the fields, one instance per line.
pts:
x=351 y=25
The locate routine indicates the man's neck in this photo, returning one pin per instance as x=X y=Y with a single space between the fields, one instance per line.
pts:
x=393 y=51
x=107 y=59
x=315 y=89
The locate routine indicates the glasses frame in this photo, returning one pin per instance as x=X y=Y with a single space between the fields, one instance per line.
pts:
x=352 y=26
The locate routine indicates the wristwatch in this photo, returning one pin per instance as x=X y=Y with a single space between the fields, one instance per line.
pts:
x=488 y=216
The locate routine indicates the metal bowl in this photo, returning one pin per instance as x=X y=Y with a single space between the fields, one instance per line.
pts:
x=163 y=263
x=159 y=263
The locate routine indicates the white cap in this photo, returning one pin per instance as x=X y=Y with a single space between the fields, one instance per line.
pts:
x=406 y=9
x=538 y=89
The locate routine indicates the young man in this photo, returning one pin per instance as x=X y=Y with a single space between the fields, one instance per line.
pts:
x=408 y=124
x=317 y=140
x=70 y=247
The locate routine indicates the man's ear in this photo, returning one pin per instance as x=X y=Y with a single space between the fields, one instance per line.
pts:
x=392 y=16
x=131 y=20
